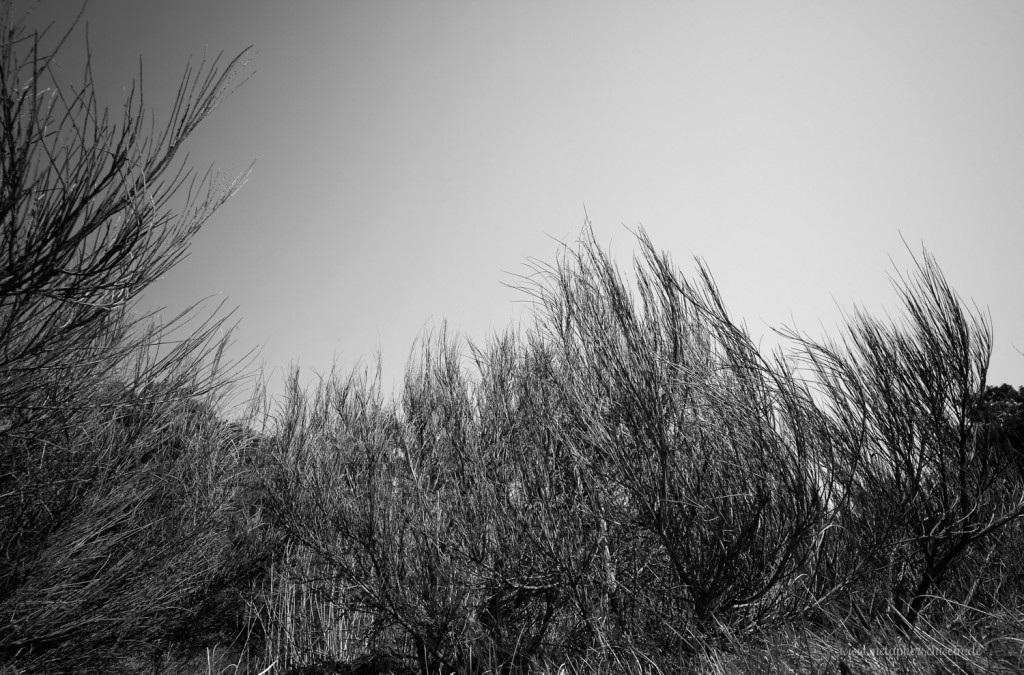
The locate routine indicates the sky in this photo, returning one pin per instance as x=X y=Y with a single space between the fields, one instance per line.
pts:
x=411 y=156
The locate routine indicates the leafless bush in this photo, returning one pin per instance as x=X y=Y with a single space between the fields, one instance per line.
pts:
x=120 y=540
x=631 y=476
x=114 y=496
x=339 y=488
x=915 y=473
x=448 y=518
x=92 y=211
x=699 y=452
x=543 y=541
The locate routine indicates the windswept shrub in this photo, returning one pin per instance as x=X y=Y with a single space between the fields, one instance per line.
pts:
x=630 y=481
x=632 y=476
x=331 y=488
x=698 y=453
x=113 y=495
x=542 y=542
x=125 y=536
x=915 y=470
x=90 y=215
x=451 y=523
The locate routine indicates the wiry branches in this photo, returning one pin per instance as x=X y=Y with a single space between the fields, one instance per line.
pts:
x=113 y=518
x=92 y=211
x=700 y=447
x=632 y=473
x=910 y=461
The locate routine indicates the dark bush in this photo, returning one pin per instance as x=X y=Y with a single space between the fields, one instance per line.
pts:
x=115 y=488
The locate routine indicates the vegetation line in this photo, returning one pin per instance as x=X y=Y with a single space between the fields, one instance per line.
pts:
x=628 y=484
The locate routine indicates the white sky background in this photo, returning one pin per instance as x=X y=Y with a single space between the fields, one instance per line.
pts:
x=410 y=155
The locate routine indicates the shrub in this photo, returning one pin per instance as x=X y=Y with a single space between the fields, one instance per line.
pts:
x=918 y=476
x=113 y=494
x=632 y=476
x=698 y=453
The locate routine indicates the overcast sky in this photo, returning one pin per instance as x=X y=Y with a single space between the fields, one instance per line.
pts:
x=410 y=155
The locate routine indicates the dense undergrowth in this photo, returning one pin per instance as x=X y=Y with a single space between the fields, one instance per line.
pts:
x=628 y=484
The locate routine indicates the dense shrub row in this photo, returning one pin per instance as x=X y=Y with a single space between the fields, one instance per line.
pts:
x=628 y=484
x=632 y=475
